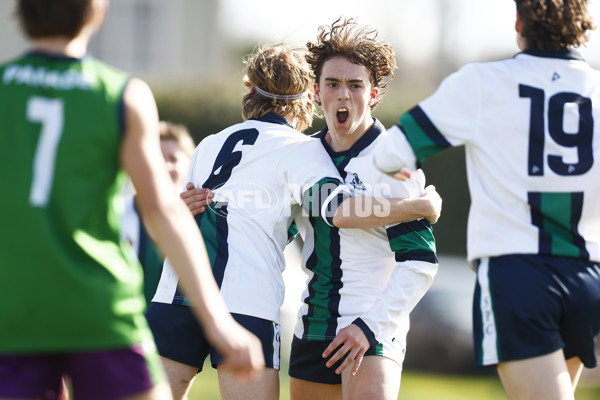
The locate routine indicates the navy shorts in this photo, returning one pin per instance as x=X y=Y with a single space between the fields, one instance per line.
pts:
x=179 y=336
x=96 y=375
x=307 y=363
x=527 y=306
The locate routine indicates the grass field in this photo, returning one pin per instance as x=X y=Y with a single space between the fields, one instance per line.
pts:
x=415 y=386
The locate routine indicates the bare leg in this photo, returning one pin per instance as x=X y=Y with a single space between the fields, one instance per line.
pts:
x=378 y=378
x=543 y=378
x=264 y=388
x=575 y=367
x=305 y=390
x=180 y=377
x=64 y=390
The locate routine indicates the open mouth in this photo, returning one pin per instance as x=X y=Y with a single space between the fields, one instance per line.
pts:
x=342 y=115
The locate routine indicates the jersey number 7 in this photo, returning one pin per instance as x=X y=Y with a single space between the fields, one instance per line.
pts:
x=48 y=112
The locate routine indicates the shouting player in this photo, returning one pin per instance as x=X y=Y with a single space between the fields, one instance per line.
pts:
x=362 y=283
x=262 y=173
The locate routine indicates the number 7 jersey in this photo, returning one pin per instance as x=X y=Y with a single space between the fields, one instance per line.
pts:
x=67 y=281
x=531 y=130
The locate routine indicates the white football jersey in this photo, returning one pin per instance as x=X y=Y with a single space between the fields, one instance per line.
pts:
x=531 y=130
x=376 y=274
x=261 y=172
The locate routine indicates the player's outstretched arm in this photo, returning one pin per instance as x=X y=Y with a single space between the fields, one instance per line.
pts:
x=370 y=212
x=177 y=234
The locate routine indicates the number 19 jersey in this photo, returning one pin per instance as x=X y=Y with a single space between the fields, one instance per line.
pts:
x=531 y=130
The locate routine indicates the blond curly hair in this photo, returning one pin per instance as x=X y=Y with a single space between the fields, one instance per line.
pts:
x=279 y=70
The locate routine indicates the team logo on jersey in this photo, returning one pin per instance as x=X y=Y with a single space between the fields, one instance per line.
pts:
x=357 y=183
x=243 y=199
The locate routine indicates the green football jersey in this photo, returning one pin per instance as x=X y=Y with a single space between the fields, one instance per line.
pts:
x=67 y=281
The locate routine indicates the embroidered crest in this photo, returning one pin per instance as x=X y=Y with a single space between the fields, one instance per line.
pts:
x=357 y=183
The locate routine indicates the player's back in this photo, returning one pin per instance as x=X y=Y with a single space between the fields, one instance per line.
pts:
x=62 y=126
x=532 y=152
x=258 y=171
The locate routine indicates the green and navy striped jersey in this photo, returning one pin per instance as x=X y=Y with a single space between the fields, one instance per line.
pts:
x=352 y=272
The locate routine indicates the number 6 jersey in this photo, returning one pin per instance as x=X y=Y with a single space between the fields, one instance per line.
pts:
x=531 y=130
x=261 y=172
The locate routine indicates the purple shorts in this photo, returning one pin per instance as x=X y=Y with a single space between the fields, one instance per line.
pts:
x=97 y=375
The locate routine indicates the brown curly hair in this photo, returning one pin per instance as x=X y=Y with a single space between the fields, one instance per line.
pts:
x=554 y=24
x=359 y=45
x=43 y=18
x=279 y=70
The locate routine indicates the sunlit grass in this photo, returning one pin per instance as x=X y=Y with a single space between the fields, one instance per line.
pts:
x=415 y=386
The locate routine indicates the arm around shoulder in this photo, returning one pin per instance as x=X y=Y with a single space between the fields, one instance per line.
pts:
x=370 y=212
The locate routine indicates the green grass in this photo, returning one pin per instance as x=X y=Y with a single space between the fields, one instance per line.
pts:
x=415 y=386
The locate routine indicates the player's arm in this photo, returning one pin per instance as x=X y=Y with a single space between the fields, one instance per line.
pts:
x=449 y=117
x=177 y=233
x=371 y=212
x=351 y=212
x=394 y=153
x=405 y=289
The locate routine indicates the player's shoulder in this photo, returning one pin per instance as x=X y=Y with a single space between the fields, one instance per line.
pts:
x=481 y=68
x=105 y=73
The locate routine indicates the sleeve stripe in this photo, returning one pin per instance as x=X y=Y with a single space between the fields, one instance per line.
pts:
x=422 y=134
x=429 y=257
x=367 y=331
x=405 y=228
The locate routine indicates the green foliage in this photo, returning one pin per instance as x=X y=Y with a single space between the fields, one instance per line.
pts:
x=204 y=111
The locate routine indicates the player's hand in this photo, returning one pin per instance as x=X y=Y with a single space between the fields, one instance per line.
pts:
x=351 y=340
x=435 y=204
x=197 y=199
x=241 y=350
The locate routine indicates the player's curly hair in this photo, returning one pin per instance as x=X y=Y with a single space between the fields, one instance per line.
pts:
x=279 y=70
x=554 y=24
x=358 y=44
x=42 y=18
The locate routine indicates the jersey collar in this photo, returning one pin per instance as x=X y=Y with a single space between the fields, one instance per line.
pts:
x=565 y=54
x=361 y=144
x=273 y=118
x=54 y=56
